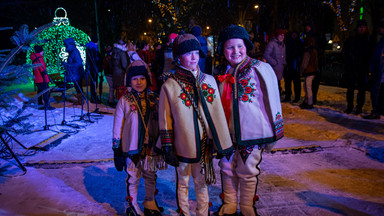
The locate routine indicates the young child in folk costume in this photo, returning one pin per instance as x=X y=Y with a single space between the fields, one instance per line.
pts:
x=135 y=133
x=192 y=124
x=250 y=97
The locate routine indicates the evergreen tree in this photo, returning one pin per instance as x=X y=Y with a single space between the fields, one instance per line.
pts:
x=10 y=74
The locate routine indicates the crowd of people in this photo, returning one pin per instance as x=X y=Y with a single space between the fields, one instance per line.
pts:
x=173 y=109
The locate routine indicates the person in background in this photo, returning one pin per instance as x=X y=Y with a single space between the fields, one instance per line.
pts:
x=377 y=79
x=157 y=69
x=357 y=52
x=119 y=62
x=108 y=71
x=93 y=66
x=294 y=50
x=168 y=57
x=135 y=133
x=74 y=68
x=320 y=44
x=196 y=31
x=41 y=78
x=308 y=69
x=209 y=63
x=275 y=54
x=251 y=101
x=145 y=55
x=143 y=52
x=192 y=124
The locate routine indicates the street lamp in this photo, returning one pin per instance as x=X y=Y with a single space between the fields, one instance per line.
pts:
x=150 y=20
x=256 y=6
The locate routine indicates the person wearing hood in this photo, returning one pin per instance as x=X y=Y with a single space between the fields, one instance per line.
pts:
x=192 y=124
x=309 y=68
x=93 y=66
x=357 y=52
x=196 y=31
x=74 y=67
x=377 y=79
x=275 y=54
x=294 y=50
x=41 y=78
x=119 y=63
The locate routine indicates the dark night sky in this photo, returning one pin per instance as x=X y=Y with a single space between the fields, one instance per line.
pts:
x=35 y=13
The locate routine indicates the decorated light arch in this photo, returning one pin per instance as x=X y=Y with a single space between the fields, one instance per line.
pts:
x=53 y=43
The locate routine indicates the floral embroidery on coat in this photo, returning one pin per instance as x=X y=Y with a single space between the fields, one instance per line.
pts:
x=246 y=90
x=183 y=96
x=208 y=92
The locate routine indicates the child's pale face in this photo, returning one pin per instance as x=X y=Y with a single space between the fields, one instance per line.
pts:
x=235 y=51
x=190 y=60
x=139 y=83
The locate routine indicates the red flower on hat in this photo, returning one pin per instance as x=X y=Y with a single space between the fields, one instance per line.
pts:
x=211 y=91
x=204 y=86
x=244 y=98
x=248 y=89
x=244 y=82
x=210 y=99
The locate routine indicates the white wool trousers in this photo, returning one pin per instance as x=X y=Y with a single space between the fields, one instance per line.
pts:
x=183 y=174
x=240 y=179
x=133 y=178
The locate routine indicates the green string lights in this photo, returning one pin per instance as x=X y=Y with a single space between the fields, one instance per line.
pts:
x=53 y=46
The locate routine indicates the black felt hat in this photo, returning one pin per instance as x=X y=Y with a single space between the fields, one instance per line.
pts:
x=186 y=43
x=234 y=31
x=138 y=68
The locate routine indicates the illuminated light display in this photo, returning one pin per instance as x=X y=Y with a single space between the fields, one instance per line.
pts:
x=53 y=45
x=336 y=7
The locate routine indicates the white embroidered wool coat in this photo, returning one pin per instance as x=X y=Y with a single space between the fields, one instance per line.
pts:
x=179 y=123
x=128 y=128
x=256 y=115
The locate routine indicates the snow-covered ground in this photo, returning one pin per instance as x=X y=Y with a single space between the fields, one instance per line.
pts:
x=341 y=175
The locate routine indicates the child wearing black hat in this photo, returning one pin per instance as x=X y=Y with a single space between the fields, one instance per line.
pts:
x=250 y=96
x=192 y=124
x=135 y=133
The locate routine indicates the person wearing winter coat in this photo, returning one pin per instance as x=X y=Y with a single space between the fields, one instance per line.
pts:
x=275 y=54
x=41 y=78
x=377 y=79
x=192 y=124
x=119 y=62
x=93 y=66
x=357 y=52
x=74 y=67
x=196 y=31
x=308 y=70
x=251 y=101
x=108 y=71
x=294 y=51
x=135 y=134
